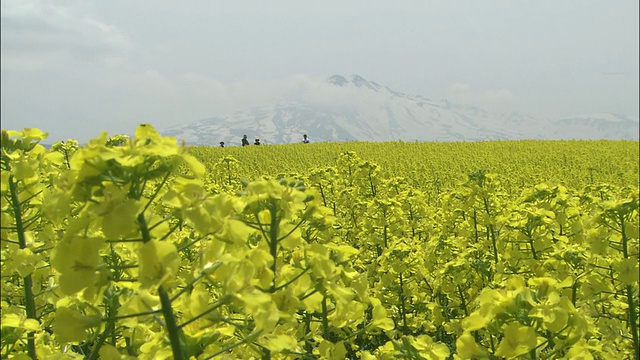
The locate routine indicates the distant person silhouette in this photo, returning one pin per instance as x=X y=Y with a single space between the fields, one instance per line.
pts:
x=221 y=143
x=305 y=139
x=257 y=142
x=245 y=142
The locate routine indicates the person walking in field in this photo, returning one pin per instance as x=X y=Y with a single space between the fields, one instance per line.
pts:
x=245 y=141
x=305 y=139
x=221 y=143
x=257 y=142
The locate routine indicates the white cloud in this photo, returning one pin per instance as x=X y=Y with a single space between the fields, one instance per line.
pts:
x=201 y=96
x=459 y=89
x=500 y=99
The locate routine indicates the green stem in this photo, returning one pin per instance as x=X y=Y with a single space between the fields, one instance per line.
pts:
x=291 y=281
x=386 y=236
x=144 y=229
x=29 y=299
x=158 y=188
x=402 y=307
x=463 y=300
x=324 y=200
x=325 y=319
x=292 y=230
x=530 y=241
x=66 y=159
x=273 y=241
x=249 y=338
x=633 y=316
x=411 y=219
x=190 y=284
x=491 y=231
x=165 y=301
x=116 y=318
x=112 y=308
x=307 y=332
x=373 y=187
x=475 y=225
x=225 y=299
x=172 y=326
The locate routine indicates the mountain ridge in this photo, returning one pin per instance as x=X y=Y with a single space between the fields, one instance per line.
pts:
x=347 y=109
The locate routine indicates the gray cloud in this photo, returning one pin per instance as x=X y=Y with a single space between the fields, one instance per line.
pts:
x=494 y=99
x=40 y=34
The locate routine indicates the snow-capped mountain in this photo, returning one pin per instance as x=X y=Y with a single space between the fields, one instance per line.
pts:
x=344 y=109
x=593 y=127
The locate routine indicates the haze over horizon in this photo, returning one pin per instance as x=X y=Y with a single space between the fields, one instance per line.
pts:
x=74 y=68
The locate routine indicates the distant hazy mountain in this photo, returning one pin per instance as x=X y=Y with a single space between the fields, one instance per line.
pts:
x=353 y=108
x=593 y=126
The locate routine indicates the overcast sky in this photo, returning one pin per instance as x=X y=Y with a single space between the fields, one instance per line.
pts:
x=74 y=68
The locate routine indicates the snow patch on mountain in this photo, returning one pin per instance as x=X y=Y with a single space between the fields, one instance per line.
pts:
x=353 y=108
x=593 y=127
